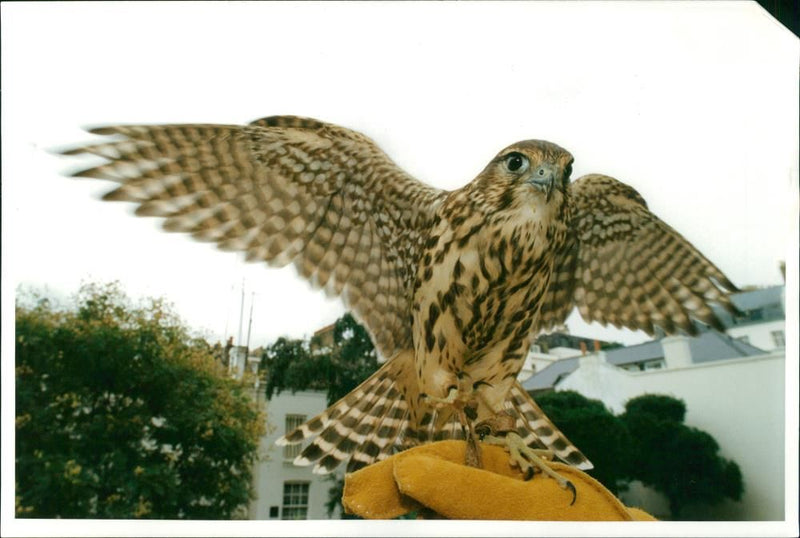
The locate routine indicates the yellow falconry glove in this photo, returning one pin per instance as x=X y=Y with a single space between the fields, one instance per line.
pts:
x=434 y=478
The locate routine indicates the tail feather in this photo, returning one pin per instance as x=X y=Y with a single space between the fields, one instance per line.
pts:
x=375 y=419
x=362 y=426
x=541 y=431
x=515 y=405
x=350 y=432
x=379 y=441
x=343 y=436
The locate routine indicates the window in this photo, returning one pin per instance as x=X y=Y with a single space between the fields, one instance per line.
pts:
x=274 y=511
x=295 y=500
x=290 y=452
x=778 y=338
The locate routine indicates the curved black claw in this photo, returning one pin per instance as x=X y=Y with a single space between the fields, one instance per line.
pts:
x=529 y=474
x=571 y=487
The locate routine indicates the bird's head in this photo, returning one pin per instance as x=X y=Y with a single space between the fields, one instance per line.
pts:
x=531 y=171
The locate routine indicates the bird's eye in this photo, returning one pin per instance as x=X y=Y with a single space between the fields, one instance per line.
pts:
x=517 y=162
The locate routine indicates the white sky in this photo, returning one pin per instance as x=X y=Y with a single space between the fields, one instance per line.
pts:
x=693 y=104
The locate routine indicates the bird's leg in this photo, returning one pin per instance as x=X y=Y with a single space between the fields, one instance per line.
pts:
x=466 y=415
x=450 y=399
x=499 y=430
x=465 y=408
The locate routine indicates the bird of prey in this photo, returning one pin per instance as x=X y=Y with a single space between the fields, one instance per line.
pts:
x=451 y=285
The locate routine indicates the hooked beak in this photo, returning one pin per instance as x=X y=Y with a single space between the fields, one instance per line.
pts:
x=544 y=179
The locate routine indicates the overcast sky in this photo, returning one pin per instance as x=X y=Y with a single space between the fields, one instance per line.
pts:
x=693 y=104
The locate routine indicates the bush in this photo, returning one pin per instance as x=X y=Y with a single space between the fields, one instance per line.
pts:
x=680 y=461
x=600 y=435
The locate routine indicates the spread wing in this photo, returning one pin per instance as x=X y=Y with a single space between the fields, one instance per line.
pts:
x=284 y=190
x=626 y=267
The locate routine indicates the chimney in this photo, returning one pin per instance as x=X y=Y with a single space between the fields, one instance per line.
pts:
x=677 y=353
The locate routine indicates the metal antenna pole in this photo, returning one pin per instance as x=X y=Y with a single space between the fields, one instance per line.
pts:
x=250 y=322
x=241 y=316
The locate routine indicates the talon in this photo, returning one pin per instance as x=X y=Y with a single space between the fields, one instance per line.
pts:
x=528 y=459
x=482 y=430
x=570 y=486
x=435 y=401
x=529 y=474
x=479 y=383
x=471 y=412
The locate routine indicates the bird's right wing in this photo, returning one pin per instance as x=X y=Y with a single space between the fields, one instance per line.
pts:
x=284 y=190
x=627 y=267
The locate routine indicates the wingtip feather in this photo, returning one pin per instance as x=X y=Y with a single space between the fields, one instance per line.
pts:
x=302 y=461
x=101 y=129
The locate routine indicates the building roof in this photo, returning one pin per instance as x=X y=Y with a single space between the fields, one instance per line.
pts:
x=749 y=300
x=563 y=339
x=552 y=374
x=756 y=306
x=706 y=347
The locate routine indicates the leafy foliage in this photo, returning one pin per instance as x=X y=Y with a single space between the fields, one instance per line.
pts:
x=649 y=443
x=599 y=433
x=680 y=461
x=121 y=414
x=659 y=406
x=337 y=366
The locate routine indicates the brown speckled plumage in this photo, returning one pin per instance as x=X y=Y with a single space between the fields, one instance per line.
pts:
x=450 y=285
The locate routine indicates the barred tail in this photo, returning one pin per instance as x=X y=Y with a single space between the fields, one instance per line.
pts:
x=374 y=420
x=537 y=431
x=364 y=426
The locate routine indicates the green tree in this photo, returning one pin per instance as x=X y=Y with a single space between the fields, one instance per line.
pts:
x=601 y=436
x=680 y=461
x=311 y=365
x=120 y=413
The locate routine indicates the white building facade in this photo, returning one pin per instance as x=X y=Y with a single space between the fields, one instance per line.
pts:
x=282 y=489
x=740 y=402
x=734 y=387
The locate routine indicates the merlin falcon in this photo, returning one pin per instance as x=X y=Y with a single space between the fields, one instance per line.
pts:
x=451 y=285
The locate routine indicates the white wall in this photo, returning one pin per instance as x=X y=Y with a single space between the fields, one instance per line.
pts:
x=273 y=471
x=536 y=361
x=740 y=402
x=759 y=334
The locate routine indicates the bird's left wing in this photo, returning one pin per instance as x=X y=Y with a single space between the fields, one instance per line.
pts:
x=284 y=190
x=626 y=267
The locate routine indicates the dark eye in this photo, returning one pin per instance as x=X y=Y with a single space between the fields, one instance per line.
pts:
x=516 y=162
x=568 y=171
